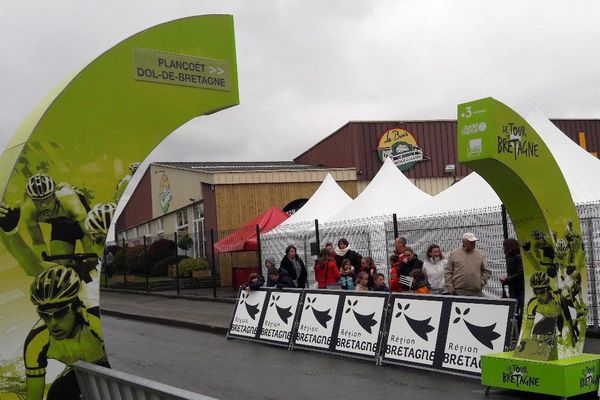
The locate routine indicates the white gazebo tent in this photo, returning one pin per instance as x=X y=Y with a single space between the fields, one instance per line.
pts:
x=296 y=230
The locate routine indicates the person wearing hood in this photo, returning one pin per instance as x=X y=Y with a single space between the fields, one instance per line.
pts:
x=435 y=269
x=344 y=252
x=293 y=265
x=411 y=263
x=278 y=278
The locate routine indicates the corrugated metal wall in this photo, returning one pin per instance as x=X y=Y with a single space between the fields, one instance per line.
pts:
x=355 y=145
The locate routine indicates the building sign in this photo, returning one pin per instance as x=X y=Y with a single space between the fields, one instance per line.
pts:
x=293 y=206
x=164 y=193
x=402 y=147
x=180 y=69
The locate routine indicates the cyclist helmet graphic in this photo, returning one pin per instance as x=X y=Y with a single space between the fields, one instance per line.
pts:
x=561 y=247
x=56 y=285
x=133 y=167
x=98 y=218
x=539 y=280
x=40 y=187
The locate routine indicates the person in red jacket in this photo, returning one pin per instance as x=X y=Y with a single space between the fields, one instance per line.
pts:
x=326 y=270
x=395 y=285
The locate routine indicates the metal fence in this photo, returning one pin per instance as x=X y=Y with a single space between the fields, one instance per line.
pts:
x=375 y=237
x=176 y=264
x=163 y=263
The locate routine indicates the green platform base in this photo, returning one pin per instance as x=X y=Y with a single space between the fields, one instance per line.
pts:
x=565 y=378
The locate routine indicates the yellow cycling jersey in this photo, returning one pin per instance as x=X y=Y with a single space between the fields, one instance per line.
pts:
x=86 y=345
x=70 y=207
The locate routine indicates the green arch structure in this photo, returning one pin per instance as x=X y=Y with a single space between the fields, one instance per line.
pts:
x=85 y=135
x=510 y=155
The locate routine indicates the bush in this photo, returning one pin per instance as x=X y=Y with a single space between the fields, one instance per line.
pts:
x=161 y=249
x=119 y=261
x=161 y=268
x=188 y=265
x=132 y=259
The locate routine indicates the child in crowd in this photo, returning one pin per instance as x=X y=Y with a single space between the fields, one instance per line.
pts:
x=347 y=275
x=362 y=282
x=434 y=267
x=395 y=262
x=368 y=265
x=379 y=281
x=419 y=284
x=254 y=282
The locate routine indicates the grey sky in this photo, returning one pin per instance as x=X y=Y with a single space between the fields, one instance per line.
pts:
x=308 y=67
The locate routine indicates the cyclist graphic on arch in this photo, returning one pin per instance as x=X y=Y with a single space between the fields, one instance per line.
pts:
x=67 y=332
x=539 y=340
x=97 y=222
x=122 y=185
x=61 y=206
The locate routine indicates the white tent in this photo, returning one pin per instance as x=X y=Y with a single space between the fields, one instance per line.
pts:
x=580 y=169
x=389 y=192
x=327 y=200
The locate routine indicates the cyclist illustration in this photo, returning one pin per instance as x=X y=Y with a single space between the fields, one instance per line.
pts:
x=541 y=252
x=574 y=241
x=571 y=296
x=63 y=208
x=125 y=181
x=14 y=243
x=67 y=332
x=97 y=223
x=539 y=340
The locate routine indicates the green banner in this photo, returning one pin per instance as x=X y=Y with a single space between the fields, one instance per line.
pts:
x=64 y=171
x=509 y=154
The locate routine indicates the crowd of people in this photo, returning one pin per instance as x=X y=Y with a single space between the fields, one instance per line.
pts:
x=464 y=272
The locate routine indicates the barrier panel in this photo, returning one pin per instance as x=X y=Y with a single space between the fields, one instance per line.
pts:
x=99 y=383
x=265 y=315
x=446 y=333
x=341 y=322
x=443 y=333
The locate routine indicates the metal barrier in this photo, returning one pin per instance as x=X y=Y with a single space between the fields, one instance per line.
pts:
x=99 y=383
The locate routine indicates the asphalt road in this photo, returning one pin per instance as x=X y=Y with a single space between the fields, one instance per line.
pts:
x=207 y=363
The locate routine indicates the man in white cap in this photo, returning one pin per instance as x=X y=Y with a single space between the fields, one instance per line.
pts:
x=467 y=271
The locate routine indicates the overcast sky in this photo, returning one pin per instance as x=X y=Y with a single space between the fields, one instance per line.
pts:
x=307 y=67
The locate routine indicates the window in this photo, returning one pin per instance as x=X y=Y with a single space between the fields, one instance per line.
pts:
x=159 y=226
x=198 y=211
x=198 y=226
x=146 y=229
x=182 y=219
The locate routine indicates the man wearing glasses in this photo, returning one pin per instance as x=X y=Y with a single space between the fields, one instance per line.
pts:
x=66 y=332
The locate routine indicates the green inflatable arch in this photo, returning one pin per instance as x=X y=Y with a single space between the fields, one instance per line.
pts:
x=510 y=155
x=66 y=167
